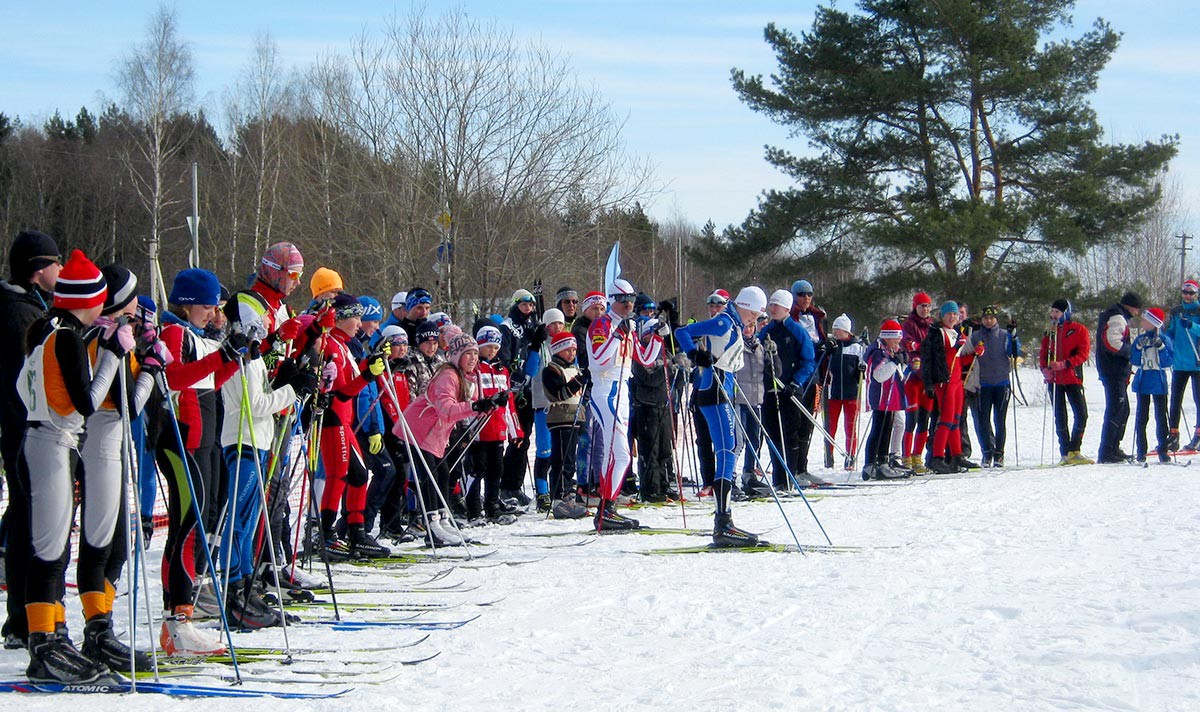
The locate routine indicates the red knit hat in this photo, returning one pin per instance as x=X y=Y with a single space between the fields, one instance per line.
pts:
x=80 y=284
x=890 y=329
x=562 y=341
x=593 y=299
x=921 y=298
x=1155 y=316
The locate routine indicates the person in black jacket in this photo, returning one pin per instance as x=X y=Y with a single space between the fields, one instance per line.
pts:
x=34 y=264
x=520 y=332
x=1112 y=361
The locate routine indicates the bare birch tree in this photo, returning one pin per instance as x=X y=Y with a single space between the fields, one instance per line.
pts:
x=156 y=79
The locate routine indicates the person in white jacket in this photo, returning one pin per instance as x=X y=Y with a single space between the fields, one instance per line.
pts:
x=247 y=432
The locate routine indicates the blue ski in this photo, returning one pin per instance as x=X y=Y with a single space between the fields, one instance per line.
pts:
x=160 y=688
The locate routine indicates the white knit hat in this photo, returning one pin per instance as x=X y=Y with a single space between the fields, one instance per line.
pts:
x=843 y=323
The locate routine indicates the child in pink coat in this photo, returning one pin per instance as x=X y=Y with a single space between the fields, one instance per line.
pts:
x=430 y=418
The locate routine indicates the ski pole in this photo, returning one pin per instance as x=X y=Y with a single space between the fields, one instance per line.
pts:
x=437 y=490
x=262 y=494
x=218 y=592
x=671 y=423
x=774 y=495
x=134 y=549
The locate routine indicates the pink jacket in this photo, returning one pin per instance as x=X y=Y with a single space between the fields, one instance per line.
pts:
x=432 y=416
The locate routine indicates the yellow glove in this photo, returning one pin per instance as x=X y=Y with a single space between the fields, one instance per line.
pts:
x=374 y=443
x=376 y=367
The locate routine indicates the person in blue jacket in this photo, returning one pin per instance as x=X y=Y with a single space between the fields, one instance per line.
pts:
x=368 y=419
x=791 y=362
x=993 y=367
x=1152 y=354
x=1184 y=330
x=717 y=364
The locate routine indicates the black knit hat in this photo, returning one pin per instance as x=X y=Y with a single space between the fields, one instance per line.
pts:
x=30 y=252
x=1061 y=304
x=1132 y=300
x=122 y=288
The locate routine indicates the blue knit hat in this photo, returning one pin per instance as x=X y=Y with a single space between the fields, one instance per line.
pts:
x=196 y=286
x=417 y=296
x=372 y=309
x=802 y=286
x=948 y=308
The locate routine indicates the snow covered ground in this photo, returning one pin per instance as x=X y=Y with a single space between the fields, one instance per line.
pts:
x=1060 y=588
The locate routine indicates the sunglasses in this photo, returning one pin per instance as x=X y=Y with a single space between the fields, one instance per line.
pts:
x=804 y=294
x=1189 y=292
x=295 y=275
x=717 y=300
x=624 y=298
x=924 y=306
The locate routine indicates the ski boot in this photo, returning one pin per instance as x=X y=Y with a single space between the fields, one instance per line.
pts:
x=521 y=498
x=607 y=519
x=53 y=658
x=101 y=645
x=1077 y=458
x=1173 y=440
x=568 y=508
x=364 y=545
x=246 y=610
x=964 y=463
x=725 y=534
x=1194 y=443
x=544 y=503
x=180 y=638
x=885 y=472
x=440 y=533
x=942 y=466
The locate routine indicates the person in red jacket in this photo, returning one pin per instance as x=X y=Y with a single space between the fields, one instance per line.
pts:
x=1065 y=348
x=394 y=400
x=920 y=406
x=503 y=425
x=345 y=470
x=199 y=368
x=941 y=371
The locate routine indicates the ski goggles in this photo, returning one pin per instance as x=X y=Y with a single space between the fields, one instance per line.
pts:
x=624 y=298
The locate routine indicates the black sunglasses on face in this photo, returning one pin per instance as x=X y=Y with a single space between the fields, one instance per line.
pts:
x=804 y=294
x=1189 y=293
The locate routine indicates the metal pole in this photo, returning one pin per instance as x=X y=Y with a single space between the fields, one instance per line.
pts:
x=1183 y=250
x=193 y=220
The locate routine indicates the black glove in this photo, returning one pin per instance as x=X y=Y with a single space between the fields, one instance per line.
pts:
x=702 y=359
x=538 y=337
x=929 y=391
x=304 y=383
x=240 y=343
x=795 y=390
x=229 y=352
x=501 y=399
x=483 y=405
x=1185 y=322
x=579 y=381
x=1153 y=342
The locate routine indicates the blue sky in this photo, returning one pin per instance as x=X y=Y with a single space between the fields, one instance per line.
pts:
x=662 y=64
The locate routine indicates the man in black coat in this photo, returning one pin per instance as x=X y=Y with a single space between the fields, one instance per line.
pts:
x=34 y=264
x=1112 y=361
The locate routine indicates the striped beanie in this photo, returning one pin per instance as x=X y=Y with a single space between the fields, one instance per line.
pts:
x=80 y=285
x=562 y=341
x=890 y=329
x=122 y=288
x=1155 y=316
x=594 y=299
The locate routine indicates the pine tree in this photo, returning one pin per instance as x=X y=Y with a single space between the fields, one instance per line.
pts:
x=953 y=147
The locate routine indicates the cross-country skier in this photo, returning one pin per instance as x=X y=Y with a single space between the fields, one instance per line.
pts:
x=718 y=364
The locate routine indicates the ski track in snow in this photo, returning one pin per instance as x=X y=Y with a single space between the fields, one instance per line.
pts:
x=1053 y=589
